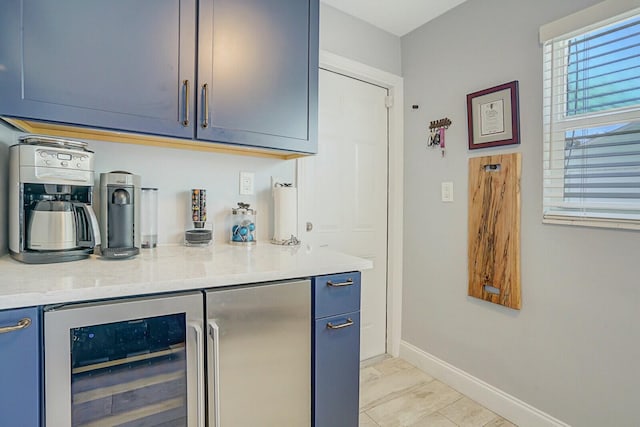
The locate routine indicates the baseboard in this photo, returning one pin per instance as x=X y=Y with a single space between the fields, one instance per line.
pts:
x=503 y=404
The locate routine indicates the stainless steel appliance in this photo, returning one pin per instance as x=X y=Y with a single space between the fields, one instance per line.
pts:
x=133 y=362
x=161 y=361
x=120 y=201
x=259 y=354
x=51 y=218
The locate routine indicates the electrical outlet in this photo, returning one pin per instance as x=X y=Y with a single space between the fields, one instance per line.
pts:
x=446 y=191
x=246 y=183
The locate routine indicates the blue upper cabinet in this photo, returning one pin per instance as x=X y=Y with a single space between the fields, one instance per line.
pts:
x=258 y=73
x=131 y=66
x=117 y=64
x=20 y=379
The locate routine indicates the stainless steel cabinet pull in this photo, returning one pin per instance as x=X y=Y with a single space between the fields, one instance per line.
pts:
x=22 y=324
x=348 y=323
x=349 y=282
x=185 y=85
x=214 y=380
x=200 y=373
x=205 y=121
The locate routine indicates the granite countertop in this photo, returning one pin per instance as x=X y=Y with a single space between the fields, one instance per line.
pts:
x=164 y=269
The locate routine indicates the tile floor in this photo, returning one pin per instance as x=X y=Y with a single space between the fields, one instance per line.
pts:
x=394 y=393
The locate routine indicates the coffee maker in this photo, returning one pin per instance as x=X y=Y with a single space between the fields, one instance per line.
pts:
x=120 y=199
x=51 y=218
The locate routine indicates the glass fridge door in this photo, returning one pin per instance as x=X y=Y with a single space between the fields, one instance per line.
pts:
x=128 y=363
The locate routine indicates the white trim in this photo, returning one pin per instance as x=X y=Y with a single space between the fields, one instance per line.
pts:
x=395 y=85
x=592 y=15
x=503 y=404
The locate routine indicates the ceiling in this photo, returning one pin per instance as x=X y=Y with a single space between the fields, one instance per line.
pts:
x=394 y=16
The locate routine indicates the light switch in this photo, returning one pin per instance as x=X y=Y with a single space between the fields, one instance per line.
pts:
x=446 y=191
x=246 y=183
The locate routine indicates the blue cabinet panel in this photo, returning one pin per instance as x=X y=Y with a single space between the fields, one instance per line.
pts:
x=336 y=371
x=116 y=65
x=20 y=368
x=336 y=294
x=259 y=62
x=131 y=66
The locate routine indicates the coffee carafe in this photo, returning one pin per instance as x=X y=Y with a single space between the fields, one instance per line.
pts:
x=50 y=201
x=120 y=214
x=60 y=225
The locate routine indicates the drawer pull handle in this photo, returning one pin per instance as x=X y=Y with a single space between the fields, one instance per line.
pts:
x=349 y=282
x=346 y=324
x=185 y=85
x=205 y=121
x=22 y=323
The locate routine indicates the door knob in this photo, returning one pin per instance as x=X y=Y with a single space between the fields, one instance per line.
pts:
x=309 y=226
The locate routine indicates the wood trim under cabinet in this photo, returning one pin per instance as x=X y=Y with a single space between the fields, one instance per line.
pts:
x=149 y=140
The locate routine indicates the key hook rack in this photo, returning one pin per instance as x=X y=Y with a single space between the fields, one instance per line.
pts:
x=442 y=123
x=436 y=133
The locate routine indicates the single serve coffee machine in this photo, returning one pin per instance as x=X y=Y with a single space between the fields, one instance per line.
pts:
x=120 y=214
x=51 y=218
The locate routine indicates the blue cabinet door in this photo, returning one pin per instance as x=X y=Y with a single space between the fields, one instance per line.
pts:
x=336 y=370
x=114 y=64
x=258 y=73
x=20 y=390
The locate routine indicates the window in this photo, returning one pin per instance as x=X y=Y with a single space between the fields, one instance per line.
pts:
x=592 y=125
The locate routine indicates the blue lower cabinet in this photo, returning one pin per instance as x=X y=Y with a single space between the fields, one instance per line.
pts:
x=336 y=368
x=20 y=367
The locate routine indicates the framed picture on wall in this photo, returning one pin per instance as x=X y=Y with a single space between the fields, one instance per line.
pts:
x=493 y=116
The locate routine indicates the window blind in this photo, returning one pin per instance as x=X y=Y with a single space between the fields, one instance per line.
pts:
x=592 y=125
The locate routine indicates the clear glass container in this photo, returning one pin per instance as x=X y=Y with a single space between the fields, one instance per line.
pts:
x=243 y=225
x=149 y=217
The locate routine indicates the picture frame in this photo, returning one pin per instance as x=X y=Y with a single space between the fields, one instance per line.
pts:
x=493 y=116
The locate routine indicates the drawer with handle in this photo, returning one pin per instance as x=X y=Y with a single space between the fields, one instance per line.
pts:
x=336 y=294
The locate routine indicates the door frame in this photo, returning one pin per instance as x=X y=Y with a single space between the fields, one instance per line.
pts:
x=395 y=185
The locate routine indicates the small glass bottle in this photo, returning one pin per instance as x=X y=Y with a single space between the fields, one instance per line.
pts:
x=243 y=225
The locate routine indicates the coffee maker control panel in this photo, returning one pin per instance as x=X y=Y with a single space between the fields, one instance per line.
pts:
x=68 y=159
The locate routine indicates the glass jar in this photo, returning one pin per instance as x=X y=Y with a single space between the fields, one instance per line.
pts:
x=243 y=225
x=149 y=217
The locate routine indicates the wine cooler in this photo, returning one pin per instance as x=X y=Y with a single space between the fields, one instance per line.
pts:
x=128 y=363
x=159 y=361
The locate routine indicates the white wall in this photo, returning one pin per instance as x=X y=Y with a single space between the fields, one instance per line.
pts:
x=573 y=349
x=355 y=39
x=176 y=172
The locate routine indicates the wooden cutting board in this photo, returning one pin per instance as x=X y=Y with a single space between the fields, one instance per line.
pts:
x=494 y=229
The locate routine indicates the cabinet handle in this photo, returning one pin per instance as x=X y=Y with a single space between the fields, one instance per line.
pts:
x=185 y=85
x=214 y=337
x=22 y=324
x=205 y=121
x=200 y=373
x=346 y=324
x=349 y=282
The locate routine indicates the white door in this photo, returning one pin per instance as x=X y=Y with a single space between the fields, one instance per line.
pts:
x=343 y=190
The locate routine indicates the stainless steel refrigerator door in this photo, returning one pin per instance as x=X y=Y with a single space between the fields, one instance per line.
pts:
x=259 y=355
x=61 y=327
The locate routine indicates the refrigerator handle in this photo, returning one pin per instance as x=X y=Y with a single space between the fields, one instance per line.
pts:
x=199 y=372
x=214 y=361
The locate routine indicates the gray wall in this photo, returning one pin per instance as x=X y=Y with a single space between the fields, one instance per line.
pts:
x=574 y=348
x=355 y=39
